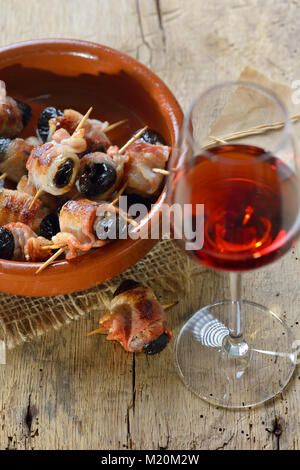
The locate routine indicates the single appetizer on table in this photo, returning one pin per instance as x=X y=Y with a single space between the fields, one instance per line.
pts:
x=136 y=320
x=14 y=115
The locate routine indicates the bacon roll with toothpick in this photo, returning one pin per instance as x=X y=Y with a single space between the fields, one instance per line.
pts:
x=78 y=221
x=86 y=224
x=136 y=319
x=100 y=175
x=14 y=154
x=19 y=242
x=14 y=207
x=142 y=159
x=53 y=167
x=14 y=115
x=96 y=139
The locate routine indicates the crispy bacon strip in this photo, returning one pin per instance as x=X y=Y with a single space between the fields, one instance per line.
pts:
x=27 y=244
x=142 y=158
x=45 y=160
x=136 y=319
x=77 y=220
x=95 y=137
x=14 y=207
x=13 y=157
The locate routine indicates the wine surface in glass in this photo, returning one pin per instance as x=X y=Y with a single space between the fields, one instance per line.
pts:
x=251 y=205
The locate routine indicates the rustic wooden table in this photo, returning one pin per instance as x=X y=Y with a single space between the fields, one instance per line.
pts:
x=59 y=391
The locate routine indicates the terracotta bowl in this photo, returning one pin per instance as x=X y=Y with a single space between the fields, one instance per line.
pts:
x=78 y=74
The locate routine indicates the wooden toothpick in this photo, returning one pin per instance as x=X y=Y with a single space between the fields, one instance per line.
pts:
x=119 y=193
x=114 y=125
x=3 y=176
x=36 y=196
x=124 y=216
x=53 y=247
x=85 y=117
x=133 y=139
x=161 y=171
x=50 y=260
x=95 y=332
x=170 y=304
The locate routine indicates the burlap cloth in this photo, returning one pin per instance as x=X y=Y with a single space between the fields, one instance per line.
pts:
x=165 y=269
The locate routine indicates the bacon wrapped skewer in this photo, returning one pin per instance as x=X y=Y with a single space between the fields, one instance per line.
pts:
x=14 y=155
x=100 y=175
x=142 y=159
x=18 y=242
x=53 y=167
x=14 y=207
x=14 y=115
x=80 y=226
x=136 y=319
x=54 y=119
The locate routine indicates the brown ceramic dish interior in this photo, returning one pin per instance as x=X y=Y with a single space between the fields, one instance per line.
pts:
x=77 y=74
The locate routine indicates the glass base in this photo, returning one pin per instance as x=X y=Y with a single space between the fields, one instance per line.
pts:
x=263 y=369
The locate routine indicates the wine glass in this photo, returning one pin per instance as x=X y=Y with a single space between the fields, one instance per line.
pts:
x=235 y=353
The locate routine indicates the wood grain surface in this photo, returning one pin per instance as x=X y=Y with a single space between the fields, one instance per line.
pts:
x=63 y=391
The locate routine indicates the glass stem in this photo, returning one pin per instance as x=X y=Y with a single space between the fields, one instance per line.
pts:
x=234 y=343
x=235 y=326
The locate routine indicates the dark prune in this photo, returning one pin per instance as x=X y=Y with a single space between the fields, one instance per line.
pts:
x=126 y=285
x=4 y=144
x=96 y=178
x=43 y=121
x=157 y=345
x=152 y=137
x=49 y=226
x=7 y=243
x=64 y=173
x=112 y=227
x=26 y=112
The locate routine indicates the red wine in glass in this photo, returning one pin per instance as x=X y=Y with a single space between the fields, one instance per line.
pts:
x=251 y=206
x=235 y=352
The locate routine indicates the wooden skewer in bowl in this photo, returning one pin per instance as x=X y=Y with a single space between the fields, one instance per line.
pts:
x=133 y=139
x=85 y=117
x=35 y=197
x=50 y=260
x=101 y=329
x=3 y=176
x=114 y=125
x=119 y=194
